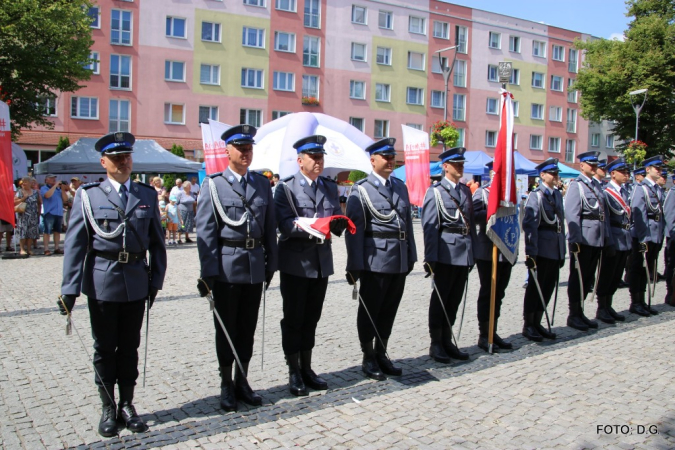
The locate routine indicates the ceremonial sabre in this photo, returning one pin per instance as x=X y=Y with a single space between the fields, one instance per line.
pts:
x=581 y=280
x=533 y=274
x=363 y=303
x=147 y=333
x=440 y=299
x=555 y=299
x=597 y=279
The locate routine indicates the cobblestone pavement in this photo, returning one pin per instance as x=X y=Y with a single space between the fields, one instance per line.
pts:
x=550 y=395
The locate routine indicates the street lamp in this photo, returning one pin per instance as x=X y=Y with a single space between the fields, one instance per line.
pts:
x=637 y=107
x=447 y=71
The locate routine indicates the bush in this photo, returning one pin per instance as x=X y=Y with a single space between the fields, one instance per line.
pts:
x=356 y=175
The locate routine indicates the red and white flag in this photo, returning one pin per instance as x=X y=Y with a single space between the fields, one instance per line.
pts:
x=6 y=179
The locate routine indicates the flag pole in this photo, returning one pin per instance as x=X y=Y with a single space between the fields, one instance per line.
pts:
x=493 y=295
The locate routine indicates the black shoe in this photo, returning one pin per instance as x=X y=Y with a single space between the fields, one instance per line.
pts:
x=310 y=378
x=589 y=323
x=126 y=412
x=383 y=360
x=498 y=341
x=228 y=399
x=188 y=241
x=577 y=323
x=242 y=390
x=615 y=315
x=107 y=426
x=602 y=313
x=370 y=367
x=451 y=349
x=436 y=350
x=651 y=310
x=637 y=308
x=483 y=331
x=531 y=333
x=295 y=383
x=541 y=329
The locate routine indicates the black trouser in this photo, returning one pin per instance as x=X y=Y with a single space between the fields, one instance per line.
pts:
x=669 y=272
x=548 y=271
x=303 y=301
x=450 y=281
x=485 y=275
x=588 y=261
x=116 y=329
x=381 y=292
x=238 y=306
x=611 y=270
x=638 y=276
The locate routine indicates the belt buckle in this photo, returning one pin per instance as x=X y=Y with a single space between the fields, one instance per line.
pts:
x=401 y=235
x=465 y=231
x=319 y=241
x=249 y=243
x=559 y=228
x=657 y=218
x=601 y=217
x=123 y=257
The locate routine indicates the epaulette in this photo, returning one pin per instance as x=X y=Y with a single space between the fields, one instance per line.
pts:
x=90 y=185
x=140 y=183
x=287 y=179
x=217 y=174
x=436 y=184
x=361 y=181
x=328 y=179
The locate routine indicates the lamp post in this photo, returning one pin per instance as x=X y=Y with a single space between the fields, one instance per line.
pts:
x=447 y=71
x=637 y=107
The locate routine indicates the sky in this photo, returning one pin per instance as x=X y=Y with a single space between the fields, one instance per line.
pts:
x=600 y=18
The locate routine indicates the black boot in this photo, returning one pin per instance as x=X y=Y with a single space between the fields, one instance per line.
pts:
x=370 y=367
x=603 y=313
x=450 y=348
x=529 y=330
x=228 y=401
x=310 y=378
x=483 y=331
x=636 y=300
x=383 y=361
x=615 y=315
x=574 y=320
x=648 y=308
x=498 y=341
x=107 y=426
x=295 y=383
x=541 y=329
x=589 y=323
x=127 y=412
x=242 y=390
x=436 y=350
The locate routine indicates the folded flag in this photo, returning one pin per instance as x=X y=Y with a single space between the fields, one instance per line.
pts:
x=319 y=227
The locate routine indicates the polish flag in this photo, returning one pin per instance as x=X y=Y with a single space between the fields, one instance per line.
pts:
x=319 y=227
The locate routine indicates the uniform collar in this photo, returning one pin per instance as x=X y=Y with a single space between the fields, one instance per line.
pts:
x=117 y=185
x=381 y=179
x=309 y=180
x=237 y=176
x=649 y=180
x=616 y=186
x=585 y=178
x=451 y=183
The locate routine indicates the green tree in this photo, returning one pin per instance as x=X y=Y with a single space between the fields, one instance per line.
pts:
x=44 y=48
x=63 y=144
x=646 y=59
x=356 y=175
x=178 y=150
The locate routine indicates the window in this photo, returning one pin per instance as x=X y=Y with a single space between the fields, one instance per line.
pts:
x=414 y=96
x=310 y=51
x=460 y=139
x=384 y=56
x=93 y=63
x=283 y=81
x=251 y=117
x=312 y=13
x=253 y=37
x=458 y=107
x=493 y=73
x=537 y=111
x=441 y=30
x=84 y=107
x=571 y=91
x=47 y=106
x=539 y=49
x=382 y=92
x=554 y=144
x=174 y=71
x=175 y=27
x=208 y=112
x=495 y=40
x=120 y=27
x=436 y=66
x=94 y=14
x=118 y=116
x=252 y=78
x=358 y=52
x=310 y=86
x=595 y=140
x=556 y=83
x=572 y=121
x=538 y=80
x=359 y=15
x=558 y=53
x=535 y=142
x=415 y=61
x=174 y=114
x=515 y=77
x=260 y=3
x=492 y=106
x=120 y=72
x=357 y=122
x=210 y=32
x=555 y=114
x=461 y=38
x=572 y=65
x=381 y=128
x=516 y=108
x=279 y=114
x=385 y=19
x=357 y=90
x=209 y=74
x=416 y=126
x=490 y=138
x=284 y=5
x=570 y=146
x=417 y=25
x=459 y=77
x=284 y=42
x=514 y=44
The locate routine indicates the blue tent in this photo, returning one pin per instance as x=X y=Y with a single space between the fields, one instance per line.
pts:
x=435 y=170
x=523 y=165
x=567 y=171
x=475 y=162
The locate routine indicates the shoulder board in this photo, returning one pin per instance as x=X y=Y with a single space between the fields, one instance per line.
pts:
x=361 y=181
x=140 y=183
x=217 y=174
x=436 y=184
x=90 y=185
x=330 y=180
x=287 y=179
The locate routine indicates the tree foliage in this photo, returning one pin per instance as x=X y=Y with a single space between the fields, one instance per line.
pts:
x=646 y=59
x=178 y=150
x=64 y=143
x=356 y=175
x=44 y=48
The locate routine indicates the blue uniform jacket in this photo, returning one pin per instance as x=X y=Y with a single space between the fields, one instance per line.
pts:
x=619 y=219
x=542 y=239
x=669 y=213
x=647 y=214
x=584 y=204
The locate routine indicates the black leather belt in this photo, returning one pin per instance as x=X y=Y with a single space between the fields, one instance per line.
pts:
x=400 y=235
x=312 y=239
x=457 y=230
x=601 y=218
x=248 y=243
x=654 y=217
x=121 y=257
x=621 y=225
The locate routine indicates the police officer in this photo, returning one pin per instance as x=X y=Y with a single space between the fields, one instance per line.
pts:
x=482 y=251
x=669 y=217
x=612 y=266
x=647 y=233
x=544 y=231
x=601 y=172
x=381 y=254
x=588 y=234
x=237 y=244
x=113 y=226
x=308 y=260
x=449 y=233
x=638 y=177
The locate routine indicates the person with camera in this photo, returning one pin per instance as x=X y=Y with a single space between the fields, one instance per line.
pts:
x=54 y=195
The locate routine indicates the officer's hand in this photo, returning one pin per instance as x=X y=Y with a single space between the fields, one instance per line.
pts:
x=337 y=226
x=575 y=247
x=429 y=268
x=609 y=250
x=352 y=276
x=643 y=247
x=152 y=295
x=205 y=285
x=268 y=278
x=561 y=263
x=410 y=269
x=530 y=263
x=69 y=301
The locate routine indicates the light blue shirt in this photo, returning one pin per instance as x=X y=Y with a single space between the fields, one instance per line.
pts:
x=54 y=204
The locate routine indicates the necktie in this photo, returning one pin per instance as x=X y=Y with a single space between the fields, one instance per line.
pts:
x=314 y=186
x=123 y=196
x=387 y=184
x=624 y=193
x=243 y=182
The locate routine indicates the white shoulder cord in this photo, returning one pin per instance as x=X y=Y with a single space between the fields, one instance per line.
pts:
x=584 y=200
x=215 y=199
x=618 y=212
x=443 y=212
x=542 y=214
x=652 y=208
x=86 y=206
x=378 y=216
